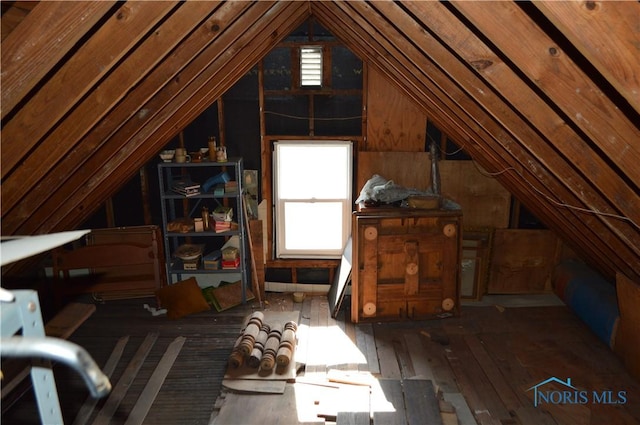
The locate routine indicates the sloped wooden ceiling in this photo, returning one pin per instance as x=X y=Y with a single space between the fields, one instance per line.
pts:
x=544 y=95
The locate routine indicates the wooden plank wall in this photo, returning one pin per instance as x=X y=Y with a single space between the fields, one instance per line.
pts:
x=485 y=203
x=522 y=259
x=394 y=122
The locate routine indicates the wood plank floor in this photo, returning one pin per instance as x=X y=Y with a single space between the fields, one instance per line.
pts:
x=477 y=368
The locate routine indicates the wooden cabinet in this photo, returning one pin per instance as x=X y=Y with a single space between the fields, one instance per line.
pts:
x=406 y=264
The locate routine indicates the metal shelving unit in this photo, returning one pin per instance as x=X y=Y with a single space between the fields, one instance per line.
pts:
x=173 y=207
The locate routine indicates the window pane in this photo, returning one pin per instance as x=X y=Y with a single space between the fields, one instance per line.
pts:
x=307 y=172
x=313 y=225
x=313 y=197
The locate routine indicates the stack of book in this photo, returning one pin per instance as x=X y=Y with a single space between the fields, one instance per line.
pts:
x=230 y=258
x=186 y=187
x=222 y=217
x=222 y=226
x=218 y=190
x=231 y=264
x=231 y=187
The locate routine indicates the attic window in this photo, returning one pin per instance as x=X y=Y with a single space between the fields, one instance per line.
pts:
x=311 y=66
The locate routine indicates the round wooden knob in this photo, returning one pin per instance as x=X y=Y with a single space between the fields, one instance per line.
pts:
x=449 y=230
x=370 y=233
x=448 y=304
x=412 y=268
x=369 y=309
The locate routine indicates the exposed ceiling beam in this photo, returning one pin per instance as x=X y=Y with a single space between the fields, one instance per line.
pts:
x=607 y=34
x=41 y=40
x=558 y=77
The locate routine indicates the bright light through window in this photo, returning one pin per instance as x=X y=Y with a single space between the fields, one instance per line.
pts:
x=313 y=225
x=313 y=198
x=311 y=66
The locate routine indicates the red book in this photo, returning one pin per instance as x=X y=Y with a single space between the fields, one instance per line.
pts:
x=231 y=264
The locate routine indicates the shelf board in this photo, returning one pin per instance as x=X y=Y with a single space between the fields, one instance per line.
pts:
x=205 y=271
x=202 y=234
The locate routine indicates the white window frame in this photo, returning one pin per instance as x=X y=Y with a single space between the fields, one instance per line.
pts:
x=281 y=203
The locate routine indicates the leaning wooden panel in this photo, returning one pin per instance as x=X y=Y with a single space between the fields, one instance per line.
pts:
x=522 y=261
x=140 y=235
x=485 y=202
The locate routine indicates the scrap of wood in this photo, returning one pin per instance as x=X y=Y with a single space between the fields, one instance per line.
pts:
x=151 y=390
x=465 y=417
x=447 y=413
x=256 y=238
x=255 y=386
x=385 y=400
x=349 y=377
x=69 y=319
x=254 y=266
x=436 y=337
x=120 y=389
x=315 y=381
x=421 y=402
x=87 y=408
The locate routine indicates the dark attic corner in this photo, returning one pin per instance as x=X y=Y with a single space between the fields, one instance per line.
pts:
x=320 y=212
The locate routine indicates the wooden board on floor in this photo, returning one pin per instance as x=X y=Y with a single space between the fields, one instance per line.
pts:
x=421 y=402
x=465 y=417
x=443 y=376
x=367 y=345
x=386 y=353
x=473 y=382
x=419 y=357
x=256 y=409
x=387 y=403
x=353 y=418
x=347 y=398
x=69 y=319
x=498 y=381
x=255 y=386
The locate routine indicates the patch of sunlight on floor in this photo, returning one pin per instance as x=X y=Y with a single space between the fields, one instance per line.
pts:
x=379 y=402
x=321 y=395
x=316 y=401
x=329 y=345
